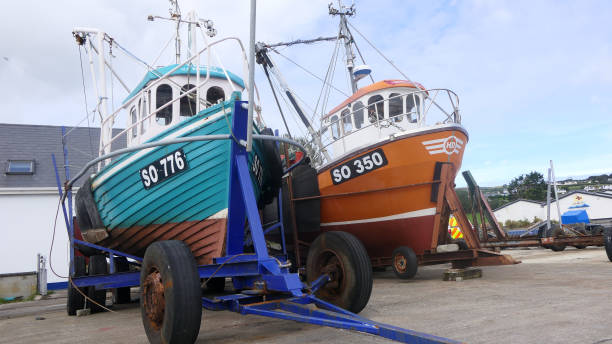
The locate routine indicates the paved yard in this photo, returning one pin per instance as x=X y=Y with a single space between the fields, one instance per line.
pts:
x=552 y=297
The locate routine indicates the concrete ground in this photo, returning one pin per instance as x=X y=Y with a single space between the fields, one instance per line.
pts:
x=552 y=297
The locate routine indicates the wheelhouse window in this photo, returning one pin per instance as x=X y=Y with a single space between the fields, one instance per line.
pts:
x=134 y=118
x=188 y=102
x=358 y=114
x=214 y=95
x=347 y=124
x=375 y=108
x=162 y=96
x=413 y=103
x=395 y=107
x=20 y=167
x=335 y=127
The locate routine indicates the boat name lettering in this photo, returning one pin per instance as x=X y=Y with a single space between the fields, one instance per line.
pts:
x=358 y=166
x=257 y=170
x=166 y=167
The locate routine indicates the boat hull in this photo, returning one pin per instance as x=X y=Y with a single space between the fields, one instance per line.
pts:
x=190 y=206
x=391 y=206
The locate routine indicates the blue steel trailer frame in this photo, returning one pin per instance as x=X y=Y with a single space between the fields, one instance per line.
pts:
x=268 y=287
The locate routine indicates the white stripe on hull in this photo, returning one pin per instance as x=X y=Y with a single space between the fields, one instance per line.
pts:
x=99 y=179
x=408 y=215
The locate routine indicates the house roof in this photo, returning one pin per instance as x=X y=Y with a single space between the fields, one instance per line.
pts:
x=38 y=142
x=518 y=200
x=598 y=194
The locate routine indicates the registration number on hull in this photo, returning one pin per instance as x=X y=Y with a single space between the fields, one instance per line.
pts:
x=358 y=166
x=166 y=167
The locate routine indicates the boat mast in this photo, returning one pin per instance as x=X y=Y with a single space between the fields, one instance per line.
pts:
x=268 y=65
x=175 y=14
x=343 y=12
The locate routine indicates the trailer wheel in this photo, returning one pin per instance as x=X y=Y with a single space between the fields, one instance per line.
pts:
x=97 y=266
x=404 y=262
x=608 y=242
x=216 y=284
x=557 y=248
x=170 y=304
x=343 y=258
x=122 y=295
x=75 y=300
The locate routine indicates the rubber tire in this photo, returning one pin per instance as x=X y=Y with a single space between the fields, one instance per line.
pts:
x=87 y=215
x=122 y=295
x=216 y=285
x=608 y=242
x=75 y=300
x=97 y=266
x=357 y=271
x=183 y=306
x=274 y=167
x=412 y=263
x=557 y=248
x=580 y=247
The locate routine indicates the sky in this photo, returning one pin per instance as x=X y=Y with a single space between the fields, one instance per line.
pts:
x=534 y=78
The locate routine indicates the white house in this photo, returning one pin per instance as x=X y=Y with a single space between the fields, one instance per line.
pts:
x=597 y=205
x=29 y=196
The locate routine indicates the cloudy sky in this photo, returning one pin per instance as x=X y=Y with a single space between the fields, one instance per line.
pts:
x=534 y=78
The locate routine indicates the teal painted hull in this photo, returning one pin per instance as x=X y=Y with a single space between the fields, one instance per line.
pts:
x=195 y=194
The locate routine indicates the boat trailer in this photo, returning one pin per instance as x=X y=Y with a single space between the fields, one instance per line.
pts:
x=490 y=234
x=264 y=284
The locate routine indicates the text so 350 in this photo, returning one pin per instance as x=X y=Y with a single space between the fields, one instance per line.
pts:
x=358 y=166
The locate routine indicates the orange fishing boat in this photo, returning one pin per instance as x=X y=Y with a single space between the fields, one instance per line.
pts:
x=382 y=171
x=381 y=176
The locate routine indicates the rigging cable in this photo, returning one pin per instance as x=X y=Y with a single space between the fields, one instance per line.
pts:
x=359 y=52
x=86 y=106
x=324 y=86
x=307 y=71
x=379 y=52
x=277 y=103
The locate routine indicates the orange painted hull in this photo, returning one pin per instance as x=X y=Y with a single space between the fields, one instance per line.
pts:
x=384 y=208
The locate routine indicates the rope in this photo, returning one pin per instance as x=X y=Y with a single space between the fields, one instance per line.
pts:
x=69 y=277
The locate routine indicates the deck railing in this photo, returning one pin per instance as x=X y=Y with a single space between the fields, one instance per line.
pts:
x=105 y=146
x=435 y=106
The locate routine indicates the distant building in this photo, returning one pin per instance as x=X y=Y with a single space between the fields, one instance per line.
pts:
x=28 y=191
x=597 y=205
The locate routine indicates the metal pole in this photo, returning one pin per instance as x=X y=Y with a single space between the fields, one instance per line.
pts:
x=548 y=201
x=552 y=170
x=249 y=145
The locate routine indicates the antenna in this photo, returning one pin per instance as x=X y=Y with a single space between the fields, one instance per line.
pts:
x=343 y=12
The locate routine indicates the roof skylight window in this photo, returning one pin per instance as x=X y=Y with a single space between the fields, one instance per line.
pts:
x=20 y=167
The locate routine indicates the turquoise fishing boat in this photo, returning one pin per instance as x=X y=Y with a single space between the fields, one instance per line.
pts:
x=177 y=191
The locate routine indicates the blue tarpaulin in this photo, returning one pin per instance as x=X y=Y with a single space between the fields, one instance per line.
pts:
x=575 y=216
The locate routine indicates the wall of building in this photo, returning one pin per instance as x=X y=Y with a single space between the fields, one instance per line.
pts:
x=521 y=210
x=599 y=207
x=27 y=229
x=18 y=285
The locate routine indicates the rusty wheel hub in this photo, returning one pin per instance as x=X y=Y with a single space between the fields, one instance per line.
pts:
x=153 y=298
x=400 y=263
x=331 y=265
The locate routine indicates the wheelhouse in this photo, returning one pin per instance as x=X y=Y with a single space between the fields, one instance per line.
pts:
x=385 y=108
x=152 y=110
